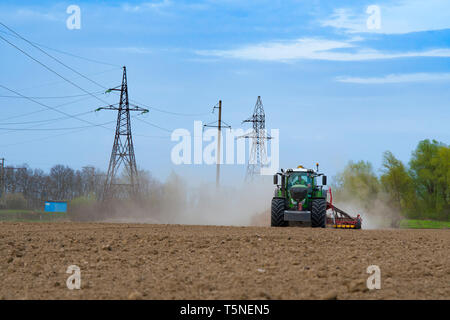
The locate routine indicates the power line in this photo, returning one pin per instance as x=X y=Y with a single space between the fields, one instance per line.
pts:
x=153 y=125
x=169 y=130
x=44 y=138
x=171 y=112
x=87 y=78
x=31 y=128
x=56 y=129
x=43 y=121
x=49 y=55
x=57 y=97
x=46 y=106
x=167 y=137
x=51 y=70
x=42 y=110
x=37 y=46
x=59 y=81
x=66 y=53
x=151 y=137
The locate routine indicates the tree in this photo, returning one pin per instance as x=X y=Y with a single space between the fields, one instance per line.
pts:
x=430 y=169
x=442 y=163
x=359 y=188
x=15 y=201
x=358 y=182
x=397 y=183
x=62 y=178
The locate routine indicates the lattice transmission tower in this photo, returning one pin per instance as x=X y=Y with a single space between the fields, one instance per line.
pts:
x=122 y=154
x=258 y=153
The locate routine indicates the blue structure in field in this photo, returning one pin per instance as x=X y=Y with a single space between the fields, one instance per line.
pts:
x=56 y=206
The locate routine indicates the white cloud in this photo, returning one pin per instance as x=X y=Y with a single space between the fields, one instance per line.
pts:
x=147 y=6
x=134 y=50
x=279 y=51
x=315 y=49
x=398 y=78
x=404 y=16
x=28 y=14
x=346 y=19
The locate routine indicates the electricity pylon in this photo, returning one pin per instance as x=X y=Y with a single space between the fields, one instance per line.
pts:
x=123 y=150
x=258 y=153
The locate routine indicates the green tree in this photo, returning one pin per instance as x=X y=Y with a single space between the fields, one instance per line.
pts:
x=398 y=184
x=430 y=167
x=443 y=183
x=358 y=182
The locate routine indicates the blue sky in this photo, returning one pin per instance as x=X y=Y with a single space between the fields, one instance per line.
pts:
x=337 y=90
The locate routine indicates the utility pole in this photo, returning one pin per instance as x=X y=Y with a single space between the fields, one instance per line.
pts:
x=123 y=149
x=219 y=138
x=2 y=177
x=258 y=154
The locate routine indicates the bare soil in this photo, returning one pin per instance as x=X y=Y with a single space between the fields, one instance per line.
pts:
x=137 y=261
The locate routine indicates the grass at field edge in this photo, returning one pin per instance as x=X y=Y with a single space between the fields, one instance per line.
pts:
x=424 y=224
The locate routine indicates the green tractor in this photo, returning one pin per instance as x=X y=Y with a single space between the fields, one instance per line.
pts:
x=299 y=199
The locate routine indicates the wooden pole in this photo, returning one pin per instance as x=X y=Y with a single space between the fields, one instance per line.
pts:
x=219 y=136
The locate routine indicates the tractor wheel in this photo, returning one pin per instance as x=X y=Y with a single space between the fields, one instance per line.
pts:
x=319 y=213
x=277 y=213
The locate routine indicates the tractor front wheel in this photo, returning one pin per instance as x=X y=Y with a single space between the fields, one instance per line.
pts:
x=277 y=213
x=319 y=213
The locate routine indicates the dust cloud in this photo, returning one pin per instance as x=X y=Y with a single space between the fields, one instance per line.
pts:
x=182 y=201
x=179 y=202
x=376 y=211
x=372 y=218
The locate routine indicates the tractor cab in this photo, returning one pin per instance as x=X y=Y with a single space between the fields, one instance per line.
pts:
x=302 y=178
x=299 y=185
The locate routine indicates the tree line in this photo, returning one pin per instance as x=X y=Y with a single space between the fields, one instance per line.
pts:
x=418 y=190
x=26 y=188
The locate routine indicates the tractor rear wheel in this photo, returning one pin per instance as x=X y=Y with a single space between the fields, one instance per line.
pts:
x=277 y=213
x=319 y=213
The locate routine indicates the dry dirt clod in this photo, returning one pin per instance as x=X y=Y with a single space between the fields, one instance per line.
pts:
x=357 y=286
x=265 y=295
x=135 y=295
x=330 y=295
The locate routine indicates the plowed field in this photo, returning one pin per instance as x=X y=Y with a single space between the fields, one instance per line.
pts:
x=138 y=261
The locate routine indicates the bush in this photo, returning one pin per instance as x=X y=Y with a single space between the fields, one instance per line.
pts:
x=14 y=201
x=82 y=208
